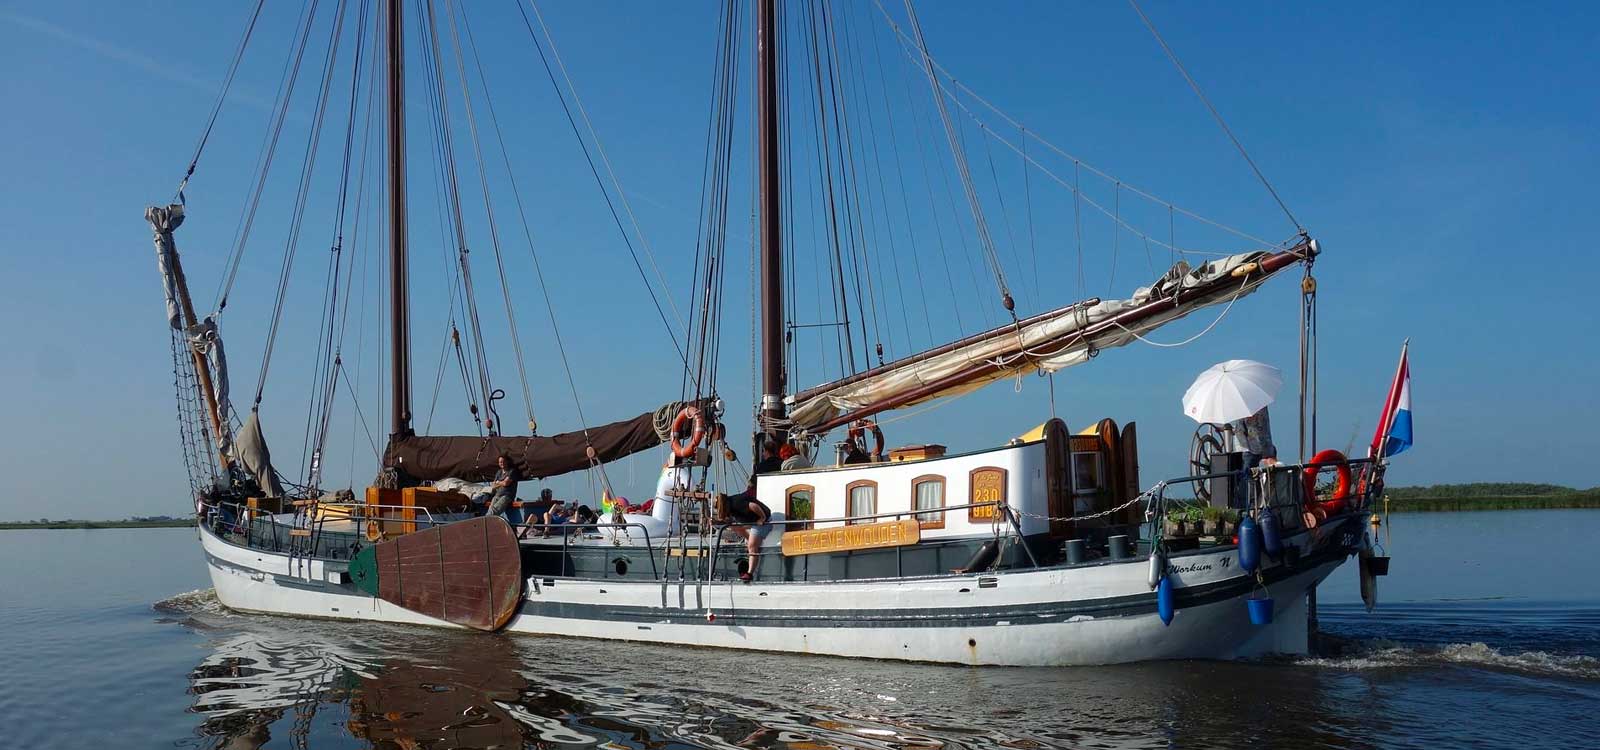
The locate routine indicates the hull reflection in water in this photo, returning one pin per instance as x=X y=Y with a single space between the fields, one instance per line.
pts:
x=276 y=682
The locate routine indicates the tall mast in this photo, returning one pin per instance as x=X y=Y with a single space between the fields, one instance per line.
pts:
x=399 y=313
x=772 y=377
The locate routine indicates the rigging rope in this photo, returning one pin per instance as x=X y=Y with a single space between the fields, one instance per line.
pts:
x=1215 y=114
x=981 y=224
x=494 y=231
x=308 y=165
x=222 y=96
x=1014 y=123
x=594 y=170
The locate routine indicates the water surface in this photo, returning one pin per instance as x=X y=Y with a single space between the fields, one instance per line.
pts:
x=1487 y=634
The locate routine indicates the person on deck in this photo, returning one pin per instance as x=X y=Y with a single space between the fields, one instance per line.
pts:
x=753 y=521
x=770 y=462
x=1253 y=435
x=504 y=489
x=534 y=513
x=792 y=458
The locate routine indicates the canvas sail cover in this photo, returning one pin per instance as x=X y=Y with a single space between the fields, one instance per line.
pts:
x=473 y=458
x=164 y=221
x=1044 y=343
x=250 y=450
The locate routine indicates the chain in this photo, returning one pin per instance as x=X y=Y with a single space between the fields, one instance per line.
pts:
x=1102 y=514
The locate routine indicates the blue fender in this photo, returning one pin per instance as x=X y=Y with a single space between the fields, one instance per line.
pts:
x=1249 y=545
x=1165 y=600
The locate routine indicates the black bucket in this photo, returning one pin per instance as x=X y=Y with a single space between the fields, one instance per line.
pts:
x=1379 y=566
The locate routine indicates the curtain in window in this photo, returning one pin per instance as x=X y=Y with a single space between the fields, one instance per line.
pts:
x=930 y=495
x=863 y=500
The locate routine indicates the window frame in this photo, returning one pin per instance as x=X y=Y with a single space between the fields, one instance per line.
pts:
x=1099 y=461
x=849 y=501
x=1005 y=481
x=788 y=507
x=944 y=489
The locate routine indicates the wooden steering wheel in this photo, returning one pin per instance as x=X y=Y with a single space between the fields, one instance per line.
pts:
x=1209 y=440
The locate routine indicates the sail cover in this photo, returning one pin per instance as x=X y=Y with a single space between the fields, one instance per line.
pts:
x=250 y=450
x=473 y=458
x=1044 y=343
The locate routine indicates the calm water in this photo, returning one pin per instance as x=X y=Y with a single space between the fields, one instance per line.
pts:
x=1487 y=635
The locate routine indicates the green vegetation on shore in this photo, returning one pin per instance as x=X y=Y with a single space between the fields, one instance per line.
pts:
x=158 y=522
x=1490 y=496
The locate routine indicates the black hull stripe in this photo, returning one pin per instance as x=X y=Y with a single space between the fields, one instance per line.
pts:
x=944 y=617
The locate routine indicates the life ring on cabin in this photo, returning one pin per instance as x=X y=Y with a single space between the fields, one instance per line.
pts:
x=688 y=415
x=858 y=436
x=1319 y=510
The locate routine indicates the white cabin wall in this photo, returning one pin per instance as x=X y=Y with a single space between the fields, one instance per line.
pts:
x=1024 y=465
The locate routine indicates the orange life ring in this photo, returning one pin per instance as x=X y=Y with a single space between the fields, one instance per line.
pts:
x=858 y=432
x=688 y=414
x=1341 y=488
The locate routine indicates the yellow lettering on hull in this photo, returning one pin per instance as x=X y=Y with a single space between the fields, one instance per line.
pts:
x=846 y=538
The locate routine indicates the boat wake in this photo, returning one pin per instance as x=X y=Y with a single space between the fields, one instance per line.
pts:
x=1386 y=654
x=197 y=602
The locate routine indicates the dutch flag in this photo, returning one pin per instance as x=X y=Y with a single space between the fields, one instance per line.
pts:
x=1394 y=428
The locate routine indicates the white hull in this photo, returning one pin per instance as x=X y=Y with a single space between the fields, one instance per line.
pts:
x=1091 y=614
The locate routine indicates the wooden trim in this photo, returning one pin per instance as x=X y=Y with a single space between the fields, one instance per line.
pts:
x=788 y=505
x=944 y=488
x=849 y=490
x=985 y=514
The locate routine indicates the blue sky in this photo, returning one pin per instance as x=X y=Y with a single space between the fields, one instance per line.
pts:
x=1443 y=154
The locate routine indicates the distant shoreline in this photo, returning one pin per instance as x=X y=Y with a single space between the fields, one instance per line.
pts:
x=176 y=523
x=1449 y=504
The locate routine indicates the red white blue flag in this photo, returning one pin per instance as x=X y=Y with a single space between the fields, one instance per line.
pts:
x=1394 y=428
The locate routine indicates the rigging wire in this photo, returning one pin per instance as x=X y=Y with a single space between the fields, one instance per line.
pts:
x=594 y=170
x=1014 y=123
x=308 y=165
x=982 y=226
x=494 y=231
x=222 y=96
x=1215 y=114
x=269 y=150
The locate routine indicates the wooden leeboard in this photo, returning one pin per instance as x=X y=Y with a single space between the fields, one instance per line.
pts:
x=846 y=538
x=467 y=572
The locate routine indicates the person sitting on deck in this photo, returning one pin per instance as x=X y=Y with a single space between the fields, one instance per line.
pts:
x=534 y=513
x=770 y=462
x=505 y=486
x=793 y=458
x=502 y=491
x=753 y=521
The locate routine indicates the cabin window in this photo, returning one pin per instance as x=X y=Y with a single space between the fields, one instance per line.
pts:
x=797 y=506
x=863 y=497
x=1087 y=473
x=986 y=485
x=928 y=492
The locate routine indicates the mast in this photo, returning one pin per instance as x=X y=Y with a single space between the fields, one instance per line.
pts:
x=772 y=376
x=399 y=313
x=165 y=221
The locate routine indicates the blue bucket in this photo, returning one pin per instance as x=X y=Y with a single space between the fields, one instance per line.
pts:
x=1260 y=611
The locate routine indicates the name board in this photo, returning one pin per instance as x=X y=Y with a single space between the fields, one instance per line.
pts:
x=986 y=485
x=846 y=538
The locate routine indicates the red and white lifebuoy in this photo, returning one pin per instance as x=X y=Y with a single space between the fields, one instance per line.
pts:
x=1318 y=510
x=688 y=415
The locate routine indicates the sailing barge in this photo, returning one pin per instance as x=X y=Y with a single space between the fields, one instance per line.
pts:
x=1047 y=550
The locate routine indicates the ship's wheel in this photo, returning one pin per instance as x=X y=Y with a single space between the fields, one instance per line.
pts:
x=1208 y=441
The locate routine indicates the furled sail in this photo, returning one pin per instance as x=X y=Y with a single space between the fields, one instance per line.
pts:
x=250 y=450
x=473 y=458
x=1054 y=340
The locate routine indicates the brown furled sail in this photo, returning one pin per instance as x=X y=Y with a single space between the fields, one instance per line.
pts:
x=468 y=573
x=431 y=458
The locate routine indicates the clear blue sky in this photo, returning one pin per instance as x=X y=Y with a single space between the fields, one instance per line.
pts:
x=1444 y=154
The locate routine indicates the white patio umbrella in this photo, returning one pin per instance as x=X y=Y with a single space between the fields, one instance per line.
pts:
x=1232 y=390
